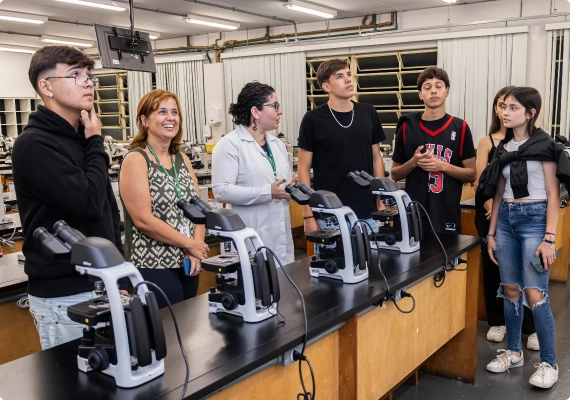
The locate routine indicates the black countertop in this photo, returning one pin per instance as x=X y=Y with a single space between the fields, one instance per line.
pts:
x=222 y=348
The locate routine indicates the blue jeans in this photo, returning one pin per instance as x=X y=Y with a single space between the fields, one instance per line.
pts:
x=52 y=322
x=520 y=230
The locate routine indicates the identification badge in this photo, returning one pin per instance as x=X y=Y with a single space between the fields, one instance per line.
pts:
x=185 y=230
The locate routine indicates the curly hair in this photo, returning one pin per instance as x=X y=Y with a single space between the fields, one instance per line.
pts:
x=253 y=94
x=148 y=104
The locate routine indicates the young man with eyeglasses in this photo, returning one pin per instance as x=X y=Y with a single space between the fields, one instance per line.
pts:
x=434 y=152
x=61 y=173
x=339 y=137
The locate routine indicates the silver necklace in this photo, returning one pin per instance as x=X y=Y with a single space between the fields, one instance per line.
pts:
x=342 y=126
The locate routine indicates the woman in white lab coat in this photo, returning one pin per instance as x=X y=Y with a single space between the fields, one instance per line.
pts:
x=250 y=169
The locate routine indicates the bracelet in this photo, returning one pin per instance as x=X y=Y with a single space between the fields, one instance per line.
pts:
x=550 y=233
x=490 y=234
x=550 y=242
x=309 y=217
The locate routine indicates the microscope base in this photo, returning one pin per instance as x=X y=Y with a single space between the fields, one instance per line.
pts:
x=249 y=314
x=125 y=377
x=402 y=248
x=346 y=275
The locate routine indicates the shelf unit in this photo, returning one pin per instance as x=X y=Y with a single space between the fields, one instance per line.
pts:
x=15 y=114
x=388 y=81
x=112 y=105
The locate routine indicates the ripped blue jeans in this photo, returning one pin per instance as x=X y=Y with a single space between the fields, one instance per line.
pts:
x=520 y=230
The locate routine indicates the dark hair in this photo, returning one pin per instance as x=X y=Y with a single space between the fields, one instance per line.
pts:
x=46 y=59
x=495 y=122
x=253 y=94
x=149 y=104
x=529 y=98
x=328 y=68
x=430 y=73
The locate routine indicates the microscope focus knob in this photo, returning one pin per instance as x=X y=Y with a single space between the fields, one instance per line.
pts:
x=230 y=301
x=390 y=239
x=331 y=266
x=98 y=359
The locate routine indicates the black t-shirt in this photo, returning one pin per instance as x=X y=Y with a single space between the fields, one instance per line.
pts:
x=450 y=139
x=338 y=151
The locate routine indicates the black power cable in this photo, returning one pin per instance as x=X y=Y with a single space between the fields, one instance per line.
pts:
x=177 y=334
x=299 y=356
x=439 y=278
x=374 y=234
x=404 y=294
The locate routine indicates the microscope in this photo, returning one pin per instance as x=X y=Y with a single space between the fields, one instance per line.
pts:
x=401 y=223
x=8 y=145
x=247 y=284
x=124 y=335
x=342 y=253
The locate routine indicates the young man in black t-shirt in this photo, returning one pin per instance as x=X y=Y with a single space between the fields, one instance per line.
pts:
x=339 y=137
x=434 y=151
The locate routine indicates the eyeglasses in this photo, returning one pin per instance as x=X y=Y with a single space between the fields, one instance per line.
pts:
x=80 y=80
x=275 y=105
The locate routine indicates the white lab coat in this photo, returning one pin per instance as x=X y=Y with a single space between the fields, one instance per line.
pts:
x=242 y=178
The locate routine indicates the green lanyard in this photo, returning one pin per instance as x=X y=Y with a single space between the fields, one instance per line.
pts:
x=176 y=181
x=271 y=159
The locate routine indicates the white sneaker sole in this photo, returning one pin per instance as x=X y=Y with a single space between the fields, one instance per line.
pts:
x=495 y=340
x=498 y=371
x=543 y=385
x=534 y=348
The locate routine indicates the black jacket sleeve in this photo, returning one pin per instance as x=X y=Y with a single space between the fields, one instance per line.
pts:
x=55 y=179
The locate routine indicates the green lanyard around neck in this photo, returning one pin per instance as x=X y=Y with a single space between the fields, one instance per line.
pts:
x=176 y=181
x=271 y=159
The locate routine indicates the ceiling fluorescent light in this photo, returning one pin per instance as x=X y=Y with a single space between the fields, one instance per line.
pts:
x=19 y=17
x=215 y=22
x=93 y=4
x=310 y=9
x=450 y=1
x=152 y=35
x=16 y=50
x=68 y=41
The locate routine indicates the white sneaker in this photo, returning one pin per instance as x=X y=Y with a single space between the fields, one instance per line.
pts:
x=505 y=361
x=496 y=333
x=545 y=376
x=532 y=342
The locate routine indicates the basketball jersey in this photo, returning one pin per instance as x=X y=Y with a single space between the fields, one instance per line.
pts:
x=439 y=193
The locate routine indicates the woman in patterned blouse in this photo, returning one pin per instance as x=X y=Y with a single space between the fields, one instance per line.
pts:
x=154 y=175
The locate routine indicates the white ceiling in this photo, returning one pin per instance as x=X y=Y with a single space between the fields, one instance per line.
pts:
x=171 y=26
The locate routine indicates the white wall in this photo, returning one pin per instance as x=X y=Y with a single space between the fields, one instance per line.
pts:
x=14 y=80
x=214 y=96
x=13 y=67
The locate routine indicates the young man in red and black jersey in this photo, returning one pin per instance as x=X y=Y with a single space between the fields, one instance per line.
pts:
x=434 y=152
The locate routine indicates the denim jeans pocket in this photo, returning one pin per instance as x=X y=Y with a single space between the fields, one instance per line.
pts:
x=536 y=212
x=43 y=325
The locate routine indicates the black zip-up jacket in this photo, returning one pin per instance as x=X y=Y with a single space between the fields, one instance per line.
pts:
x=539 y=147
x=60 y=175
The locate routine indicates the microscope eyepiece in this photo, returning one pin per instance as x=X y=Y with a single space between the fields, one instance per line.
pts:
x=201 y=204
x=182 y=203
x=66 y=233
x=41 y=233
x=353 y=175
x=304 y=188
x=366 y=176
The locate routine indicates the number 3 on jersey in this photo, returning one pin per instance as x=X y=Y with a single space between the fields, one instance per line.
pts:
x=435 y=182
